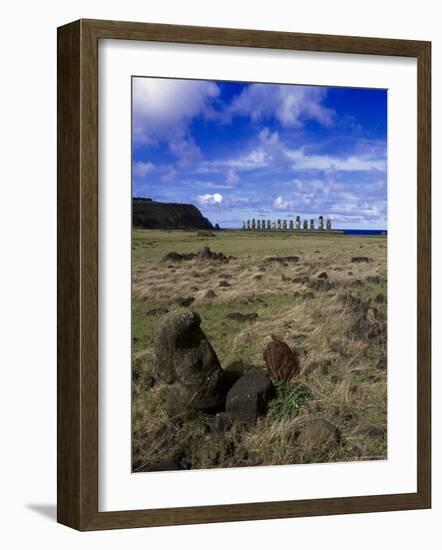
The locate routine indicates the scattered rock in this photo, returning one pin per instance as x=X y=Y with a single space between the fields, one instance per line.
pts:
x=319 y=433
x=185 y=302
x=321 y=284
x=210 y=294
x=224 y=276
x=365 y=326
x=299 y=337
x=360 y=259
x=204 y=254
x=309 y=295
x=241 y=317
x=185 y=355
x=296 y=295
x=224 y=284
x=323 y=275
x=376 y=432
x=281 y=259
x=262 y=268
x=157 y=311
x=373 y=279
x=281 y=362
x=301 y=280
x=382 y=363
x=248 y=397
x=257 y=277
x=357 y=283
x=184 y=458
x=380 y=299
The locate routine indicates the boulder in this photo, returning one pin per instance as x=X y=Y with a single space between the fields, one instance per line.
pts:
x=185 y=302
x=185 y=355
x=248 y=397
x=319 y=433
x=281 y=259
x=360 y=259
x=380 y=298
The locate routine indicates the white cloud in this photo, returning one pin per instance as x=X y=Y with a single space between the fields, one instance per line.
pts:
x=186 y=150
x=232 y=177
x=141 y=169
x=282 y=204
x=270 y=151
x=355 y=163
x=290 y=105
x=214 y=199
x=164 y=108
x=170 y=174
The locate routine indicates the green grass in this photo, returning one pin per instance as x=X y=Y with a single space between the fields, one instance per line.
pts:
x=288 y=400
x=350 y=392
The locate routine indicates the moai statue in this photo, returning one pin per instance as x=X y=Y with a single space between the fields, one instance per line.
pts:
x=312 y=225
x=273 y=225
x=298 y=222
x=279 y=224
x=243 y=225
x=329 y=224
x=258 y=224
x=253 y=223
x=269 y=225
x=321 y=223
x=248 y=224
x=263 y=224
x=305 y=225
x=284 y=225
x=291 y=225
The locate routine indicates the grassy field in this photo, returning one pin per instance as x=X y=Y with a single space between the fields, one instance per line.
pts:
x=342 y=367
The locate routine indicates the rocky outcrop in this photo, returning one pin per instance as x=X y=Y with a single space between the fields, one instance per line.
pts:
x=149 y=214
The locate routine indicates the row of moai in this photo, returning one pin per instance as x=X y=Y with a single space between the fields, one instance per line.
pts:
x=283 y=225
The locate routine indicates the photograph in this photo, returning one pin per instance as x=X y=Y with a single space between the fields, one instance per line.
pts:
x=259 y=274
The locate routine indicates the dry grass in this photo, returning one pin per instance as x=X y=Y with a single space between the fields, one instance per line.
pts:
x=338 y=367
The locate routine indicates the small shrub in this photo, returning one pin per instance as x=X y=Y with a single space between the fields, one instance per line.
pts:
x=288 y=400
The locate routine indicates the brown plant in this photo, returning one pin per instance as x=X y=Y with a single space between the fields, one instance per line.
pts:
x=281 y=362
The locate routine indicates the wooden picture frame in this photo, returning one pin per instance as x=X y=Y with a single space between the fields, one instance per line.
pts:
x=78 y=274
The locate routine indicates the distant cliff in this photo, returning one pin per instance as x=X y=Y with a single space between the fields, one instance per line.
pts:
x=149 y=214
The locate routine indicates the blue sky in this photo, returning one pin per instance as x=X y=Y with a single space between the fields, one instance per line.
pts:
x=268 y=151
